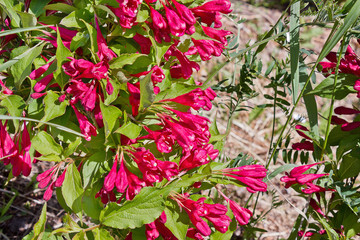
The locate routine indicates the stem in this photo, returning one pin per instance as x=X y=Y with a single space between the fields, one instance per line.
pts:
x=332 y=99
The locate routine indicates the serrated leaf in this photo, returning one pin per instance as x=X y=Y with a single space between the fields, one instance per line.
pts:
x=92 y=206
x=15 y=106
x=45 y=144
x=144 y=208
x=110 y=116
x=72 y=188
x=102 y=234
x=175 y=225
x=147 y=95
x=22 y=66
x=124 y=59
x=39 y=227
x=130 y=129
x=53 y=108
x=91 y=167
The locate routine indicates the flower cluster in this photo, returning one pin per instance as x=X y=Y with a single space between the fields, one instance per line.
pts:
x=297 y=176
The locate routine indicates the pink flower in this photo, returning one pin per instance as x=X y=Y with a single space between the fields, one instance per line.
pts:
x=196 y=99
x=126 y=12
x=109 y=181
x=208 y=48
x=144 y=43
x=176 y=24
x=198 y=156
x=222 y=6
x=134 y=98
x=8 y=148
x=21 y=162
x=163 y=138
x=51 y=177
x=153 y=170
x=304 y=145
x=316 y=207
x=296 y=176
x=345 y=125
x=215 y=213
x=193 y=233
x=5 y=90
x=104 y=53
x=250 y=175
x=83 y=92
x=86 y=127
x=219 y=35
x=157 y=76
x=106 y=196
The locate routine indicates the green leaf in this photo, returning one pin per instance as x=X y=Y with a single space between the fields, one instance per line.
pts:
x=49 y=158
x=130 y=129
x=93 y=35
x=22 y=67
x=37 y=6
x=5 y=117
x=174 y=223
x=124 y=59
x=110 y=116
x=144 y=208
x=102 y=234
x=62 y=7
x=20 y=30
x=294 y=48
x=53 y=108
x=344 y=86
x=147 y=95
x=27 y=19
x=349 y=20
x=91 y=167
x=92 y=206
x=329 y=231
x=7 y=206
x=72 y=147
x=39 y=227
x=17 y=59
x=45 y=144
x=72 y=188
x=8 y=7
x=62 y=54
x=349 y=167
x=15 y=105
x=280 y=169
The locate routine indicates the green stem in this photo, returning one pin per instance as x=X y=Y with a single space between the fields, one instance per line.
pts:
x=332 y=99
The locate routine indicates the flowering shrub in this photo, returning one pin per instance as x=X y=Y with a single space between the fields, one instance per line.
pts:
x=104 y=90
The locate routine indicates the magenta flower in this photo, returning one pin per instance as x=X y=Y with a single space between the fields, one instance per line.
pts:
x=83 y=92
x=215 y=213
x=176 y=24
x=157 y=76
x=153 y=170
x=51 y=179
x=198 y=156
x=304 y=145
x=222 y=6
x=297 y=176
x=144 y=43
x=163 y=138
x=126 y=12
x=134 y=98
x=21 y=162
x=5 y=90
x=106 y=196
x=316 y=207
x=196 y=99
x=208 y=48
x=86 y=128
x=250 y=175
x=193 y=233
x=109 y=181
x=105 y=54
x=345 y=125
x=219 y=35
x=7 y=145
